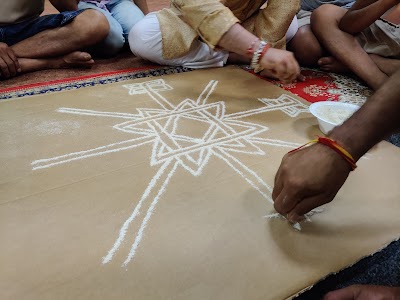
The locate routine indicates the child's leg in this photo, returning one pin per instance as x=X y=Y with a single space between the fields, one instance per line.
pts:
x=115 y=40
x=126 y=13
x=343 y=46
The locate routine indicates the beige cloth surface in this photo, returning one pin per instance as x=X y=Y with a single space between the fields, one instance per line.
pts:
x=187 y=20
x=156 y=188
x=14 y=11
x=381 y=38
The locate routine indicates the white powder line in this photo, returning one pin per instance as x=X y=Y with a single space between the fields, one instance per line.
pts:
x=166 y=114
x=207 y=144
x=242 y=170
x=122 y=233
x=44 y=163
x=149 y=213
x=283 y=103
x=209 y=89
x=273 y=142
x=163 y=102
x=87 y=112
x=72 y=154
x=252 y=112
x=162 y=133
x=200 y=166
x=256 y=151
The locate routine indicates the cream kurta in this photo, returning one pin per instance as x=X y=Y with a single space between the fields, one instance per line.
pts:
x=187 y=20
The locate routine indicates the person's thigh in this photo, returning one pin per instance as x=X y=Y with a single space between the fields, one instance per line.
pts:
x=15 y=33
x=114 y=41
x=126 y=13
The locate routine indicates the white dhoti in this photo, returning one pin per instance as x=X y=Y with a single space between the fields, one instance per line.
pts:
x=145 y=41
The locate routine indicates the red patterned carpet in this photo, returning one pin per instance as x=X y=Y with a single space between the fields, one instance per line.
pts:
x=318 y=86
x=322 y=86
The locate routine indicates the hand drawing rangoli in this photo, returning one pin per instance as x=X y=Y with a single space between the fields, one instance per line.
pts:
x=223 y=136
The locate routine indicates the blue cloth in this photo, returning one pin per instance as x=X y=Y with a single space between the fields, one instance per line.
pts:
x=122 y=15
x=383 y=268
x=310 y=5
x=15 y=33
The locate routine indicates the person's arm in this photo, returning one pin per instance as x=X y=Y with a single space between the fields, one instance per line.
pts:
x=312 y=176
x=217 y=26
x=9 y=64
x=272 y=23
x=142 y=4
x=281 y=63
x=65 y=5
x=363 y=13
x=364 y=292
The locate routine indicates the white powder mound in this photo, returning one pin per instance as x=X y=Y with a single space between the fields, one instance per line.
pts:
x=334 y=114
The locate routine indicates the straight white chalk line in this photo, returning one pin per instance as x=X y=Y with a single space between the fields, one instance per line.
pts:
x=149 y=213
x=135 y=213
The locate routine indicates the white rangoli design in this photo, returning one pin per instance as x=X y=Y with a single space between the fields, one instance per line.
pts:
x=223 y=135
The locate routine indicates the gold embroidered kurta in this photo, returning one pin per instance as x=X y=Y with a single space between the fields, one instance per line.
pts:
x=209 y=20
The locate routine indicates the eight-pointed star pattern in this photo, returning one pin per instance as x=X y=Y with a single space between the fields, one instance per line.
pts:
x=218 y=134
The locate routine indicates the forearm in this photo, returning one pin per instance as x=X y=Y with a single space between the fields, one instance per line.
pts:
x=237 y=40
x=377 y=118
x=142 y=4
x=363 y=14
x=65 y=5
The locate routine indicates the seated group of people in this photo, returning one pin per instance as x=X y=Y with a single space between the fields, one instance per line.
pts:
x=361 y=36
x=338 y=35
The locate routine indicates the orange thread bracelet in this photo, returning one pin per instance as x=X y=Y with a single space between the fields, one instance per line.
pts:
x=334 y=146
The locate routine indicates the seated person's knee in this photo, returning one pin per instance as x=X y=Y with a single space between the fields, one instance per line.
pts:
x=135 y=38
x=112 y=45
x=95 y=25
x=306 y=47
x=323 y=14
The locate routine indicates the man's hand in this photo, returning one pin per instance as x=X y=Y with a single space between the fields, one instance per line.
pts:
x=281 y=64
x=365 y=292
x=9 y=65
x=308 y=178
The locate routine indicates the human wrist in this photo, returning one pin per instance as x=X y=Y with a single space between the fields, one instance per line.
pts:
x=333 y=146
x=351 y=143
x=335 y=159
x=259 y=54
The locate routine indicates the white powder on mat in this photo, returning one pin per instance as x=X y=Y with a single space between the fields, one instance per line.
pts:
x=334 y=115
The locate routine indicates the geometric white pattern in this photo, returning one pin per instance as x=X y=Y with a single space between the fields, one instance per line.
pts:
x=221 y=136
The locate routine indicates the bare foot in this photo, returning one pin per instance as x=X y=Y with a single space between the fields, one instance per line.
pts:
x=331 y=64
x=76 y=59
x=386 y=65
